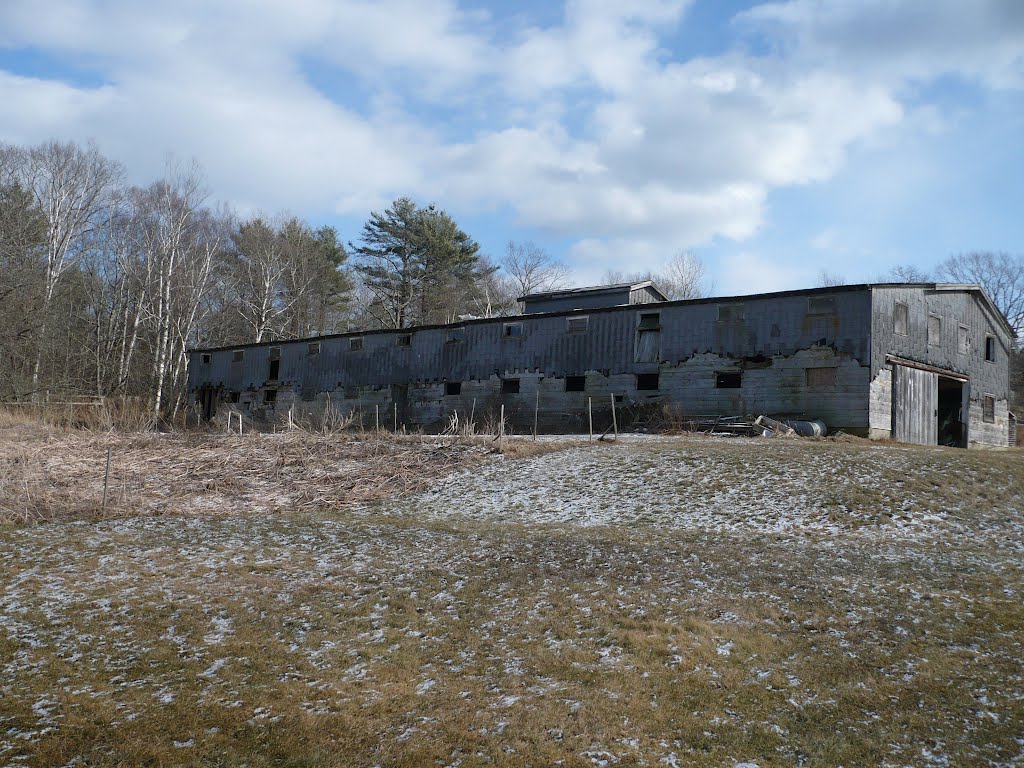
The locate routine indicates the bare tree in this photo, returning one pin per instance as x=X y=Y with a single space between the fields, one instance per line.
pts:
x=73 y=188
x=684 y=276
x=529 y=268
x=1000 y=274
x=828 y=279
x=906 y=273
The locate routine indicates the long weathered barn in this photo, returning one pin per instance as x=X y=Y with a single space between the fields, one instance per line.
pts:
x=922 y=363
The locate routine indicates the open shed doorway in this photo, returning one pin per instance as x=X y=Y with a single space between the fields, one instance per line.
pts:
x=951 y=408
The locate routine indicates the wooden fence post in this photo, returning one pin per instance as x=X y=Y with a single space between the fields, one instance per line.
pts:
x=615 y=423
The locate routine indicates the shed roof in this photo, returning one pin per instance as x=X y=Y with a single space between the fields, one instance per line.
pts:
x=594 y=290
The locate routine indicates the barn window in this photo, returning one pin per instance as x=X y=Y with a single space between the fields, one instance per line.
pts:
x=963 y=339
x=512 y=331
x=456 y=335
x=650 y=321
x=510 y=386
x=270 y=396
x=990 y=348
x=453 y=388
x=308 y=394
x=821 y=305
x=934 y=330
x=313 y=348
x=403 y=340
x=820 y=378
x=575 y=383
x=238 y=356
x=988 y=409
x=351 y=393
x=205 y=358
x=728 y=379
x=728 y=313
x=355 y=344
x=275 y=353
x=647 y=381
x=578 y=324
x=899 y=319
x=234 y=396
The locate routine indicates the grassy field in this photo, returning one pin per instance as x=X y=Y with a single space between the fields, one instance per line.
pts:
x=661 y=602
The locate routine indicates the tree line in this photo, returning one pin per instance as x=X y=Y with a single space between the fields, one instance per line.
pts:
x=105 y=285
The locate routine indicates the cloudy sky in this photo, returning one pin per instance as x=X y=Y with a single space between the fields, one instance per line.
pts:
x=774 y=140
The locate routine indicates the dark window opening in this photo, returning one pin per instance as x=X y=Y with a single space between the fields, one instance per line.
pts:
x=647 y=381
x=899 y=319
x=620 y=398
x=650 y=321
x=234 y=396
x=510 y=386
x=578 y=324
x=351 y=393
x=270 y=396
x=313 y=348
x=512 y=330
x=275 y=353
x=308 y=394
x=205 y=358
x=821 y=377
x=355 y=344
x=988 y=409
x=404 y=340
x=934 y=330
x=729 y=379
x=821 y=305
x=575 y=383
x=275 y=370
x=456 y=335
x=990 y=349
x=729 y=313
x=238 y=355
x=453 y=387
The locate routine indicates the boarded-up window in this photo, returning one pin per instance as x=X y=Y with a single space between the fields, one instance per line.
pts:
x=650 y=321
x=205 y=358
x=234 y=396
x=238 y=356
x=731 y=313
x=988 y=409
x=647 y=344
x=456 y=335
x=308 y=394
x=270 y=396
x=899 y=319
x=512 y=330
x=963 y=339
x=647 y=381
x=821 y=305
x=575 y=383
x=729 y=379
x=275 y=353
x=403 y=340
x=453 y=388
x=313 y=348
x=934 y=330
x=578 y=324
x=355 y=344
x=821 y=378
x=990 y=349
x=510 y=386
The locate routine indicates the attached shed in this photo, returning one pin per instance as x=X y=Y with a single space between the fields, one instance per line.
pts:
x=596 y=297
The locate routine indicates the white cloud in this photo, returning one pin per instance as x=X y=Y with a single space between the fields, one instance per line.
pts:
x=744 y=273
x=587 y=128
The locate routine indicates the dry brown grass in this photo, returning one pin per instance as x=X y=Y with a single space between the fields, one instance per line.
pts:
x=51 y=474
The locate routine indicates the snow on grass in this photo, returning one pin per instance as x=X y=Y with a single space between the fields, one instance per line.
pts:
x=667 y=627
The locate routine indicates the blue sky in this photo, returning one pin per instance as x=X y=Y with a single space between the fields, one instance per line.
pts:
x=774 y=140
